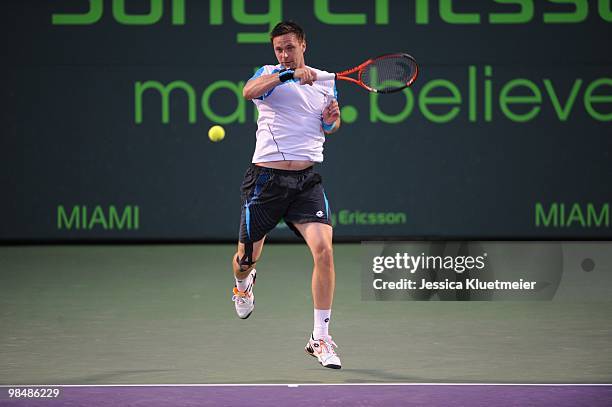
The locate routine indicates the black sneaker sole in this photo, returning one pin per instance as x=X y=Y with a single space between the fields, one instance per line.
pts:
x=310 y=351
x=333 y=366
x=247 y=317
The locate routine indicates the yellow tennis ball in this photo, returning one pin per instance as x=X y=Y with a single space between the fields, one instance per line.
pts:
x=216 y=133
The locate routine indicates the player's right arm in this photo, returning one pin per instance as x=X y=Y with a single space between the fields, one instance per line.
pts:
x=257 y=87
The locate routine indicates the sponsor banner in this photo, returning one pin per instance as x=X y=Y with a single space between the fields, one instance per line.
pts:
x=505 y=134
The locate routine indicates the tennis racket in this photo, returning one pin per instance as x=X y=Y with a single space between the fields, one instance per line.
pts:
x=384 y=74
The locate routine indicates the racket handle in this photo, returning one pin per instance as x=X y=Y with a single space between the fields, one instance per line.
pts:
x=326 y=76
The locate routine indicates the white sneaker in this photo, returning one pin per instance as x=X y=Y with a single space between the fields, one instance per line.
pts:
x=323 y=350
x=245 y=301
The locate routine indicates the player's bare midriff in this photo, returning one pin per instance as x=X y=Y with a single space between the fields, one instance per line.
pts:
x=291 y=165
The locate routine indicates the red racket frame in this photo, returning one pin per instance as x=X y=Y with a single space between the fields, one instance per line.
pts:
x=343 y=75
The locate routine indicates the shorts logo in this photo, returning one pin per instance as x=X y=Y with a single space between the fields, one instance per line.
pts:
x=319 y=214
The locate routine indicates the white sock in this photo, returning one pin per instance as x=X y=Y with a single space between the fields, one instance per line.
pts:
x=321 y=323
x=242 y=285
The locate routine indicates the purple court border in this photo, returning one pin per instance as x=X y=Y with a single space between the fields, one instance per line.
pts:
x=400 y=394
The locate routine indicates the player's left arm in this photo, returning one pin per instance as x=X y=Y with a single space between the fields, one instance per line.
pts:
x=331 y=117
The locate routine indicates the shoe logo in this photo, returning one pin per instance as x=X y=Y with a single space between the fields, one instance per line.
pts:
x=326 y=319
x=319 y=214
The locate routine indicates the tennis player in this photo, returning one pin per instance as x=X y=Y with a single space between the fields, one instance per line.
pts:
x=295 y=114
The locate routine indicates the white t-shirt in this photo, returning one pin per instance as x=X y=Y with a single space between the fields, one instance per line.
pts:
x=290 y=119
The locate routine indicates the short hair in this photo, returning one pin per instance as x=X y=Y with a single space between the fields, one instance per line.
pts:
x=288 y=27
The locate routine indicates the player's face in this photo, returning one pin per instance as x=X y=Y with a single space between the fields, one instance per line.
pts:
x=289 y=50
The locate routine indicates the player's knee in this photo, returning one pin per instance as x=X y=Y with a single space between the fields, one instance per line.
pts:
x=323 y=253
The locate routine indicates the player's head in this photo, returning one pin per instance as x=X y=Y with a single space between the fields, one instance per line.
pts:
x=289 y=43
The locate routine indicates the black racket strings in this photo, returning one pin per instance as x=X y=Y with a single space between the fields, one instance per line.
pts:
x=388 y=74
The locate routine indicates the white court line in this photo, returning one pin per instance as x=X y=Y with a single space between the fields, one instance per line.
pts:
x=308 y=384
